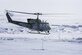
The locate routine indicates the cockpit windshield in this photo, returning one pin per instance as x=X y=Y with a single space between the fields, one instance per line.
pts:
x=43 y=25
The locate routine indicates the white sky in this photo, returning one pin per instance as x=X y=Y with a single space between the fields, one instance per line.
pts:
x=47 y=6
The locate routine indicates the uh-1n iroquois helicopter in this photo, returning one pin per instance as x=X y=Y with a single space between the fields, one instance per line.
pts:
x=33 y=24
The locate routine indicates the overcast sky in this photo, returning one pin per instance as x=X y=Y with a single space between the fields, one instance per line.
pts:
x=47 y=6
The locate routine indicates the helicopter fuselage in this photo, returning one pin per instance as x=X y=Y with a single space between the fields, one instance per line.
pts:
x=33 y=24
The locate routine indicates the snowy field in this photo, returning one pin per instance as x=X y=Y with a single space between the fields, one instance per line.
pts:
x=38 y=46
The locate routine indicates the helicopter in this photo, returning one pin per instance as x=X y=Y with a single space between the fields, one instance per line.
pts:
x=32 y=24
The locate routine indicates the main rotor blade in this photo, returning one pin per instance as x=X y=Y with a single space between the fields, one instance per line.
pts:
x=21 y=12
x=25 y=12
x=57 y=14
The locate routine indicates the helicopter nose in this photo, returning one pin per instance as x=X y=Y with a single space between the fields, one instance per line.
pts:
x=47 y=28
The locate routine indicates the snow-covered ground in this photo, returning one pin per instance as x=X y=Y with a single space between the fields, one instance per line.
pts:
x=62 y=40
x=34 y=46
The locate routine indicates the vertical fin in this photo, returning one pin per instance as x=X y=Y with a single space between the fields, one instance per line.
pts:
x=8 y=17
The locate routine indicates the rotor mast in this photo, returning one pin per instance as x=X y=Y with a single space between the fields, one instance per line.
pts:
x=37 y=16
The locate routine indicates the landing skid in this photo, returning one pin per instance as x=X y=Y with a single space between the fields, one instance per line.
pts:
x=43 y=33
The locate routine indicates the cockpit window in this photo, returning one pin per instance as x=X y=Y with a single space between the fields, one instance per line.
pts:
x=44 y=24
